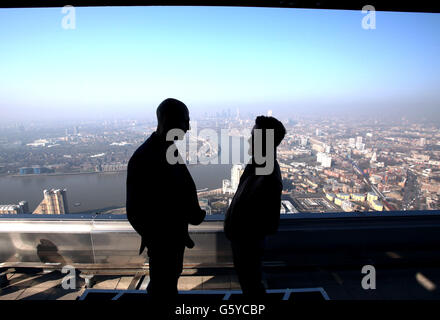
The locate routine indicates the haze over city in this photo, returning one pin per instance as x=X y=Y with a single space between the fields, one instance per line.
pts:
x=121 y=62
x=361 y=107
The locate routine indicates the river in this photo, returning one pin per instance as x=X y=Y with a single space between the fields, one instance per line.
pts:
x=95 y=190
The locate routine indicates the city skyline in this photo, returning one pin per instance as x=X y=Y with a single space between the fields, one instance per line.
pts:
x=327 y=165
x=122 y=62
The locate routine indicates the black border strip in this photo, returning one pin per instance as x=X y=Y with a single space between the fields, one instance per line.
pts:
x=380 y=5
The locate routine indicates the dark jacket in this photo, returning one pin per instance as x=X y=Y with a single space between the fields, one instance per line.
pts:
x=255 y=208
x=161 y=197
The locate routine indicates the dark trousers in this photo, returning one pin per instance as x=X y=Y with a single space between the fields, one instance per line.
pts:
x=247 y=255
x=166 y=265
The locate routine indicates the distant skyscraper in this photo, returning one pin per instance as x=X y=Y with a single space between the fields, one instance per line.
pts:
x=54 y=202
x=359 y=144
x=319 y=156
x=351 y=142
x=304 y=141
x=226 y=186
x=324 y=159
x=230 y=186
x=327 y=161
x=236 y=172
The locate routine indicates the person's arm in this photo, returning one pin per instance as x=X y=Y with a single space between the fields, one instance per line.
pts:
x=267 y=205
x=196 y=215
x=274 y=208
x=144 y=196
x=198 y=218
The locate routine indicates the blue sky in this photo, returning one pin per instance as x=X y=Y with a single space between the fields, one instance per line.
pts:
x=123 y=61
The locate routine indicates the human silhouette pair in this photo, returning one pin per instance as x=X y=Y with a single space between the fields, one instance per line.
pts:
x=162 y=201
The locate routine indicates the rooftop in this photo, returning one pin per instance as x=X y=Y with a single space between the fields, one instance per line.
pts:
x=309 y=251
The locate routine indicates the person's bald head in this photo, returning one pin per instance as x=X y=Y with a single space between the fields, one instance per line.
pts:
x=172 y=114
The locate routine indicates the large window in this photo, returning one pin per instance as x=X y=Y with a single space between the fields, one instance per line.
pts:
x=359 y=99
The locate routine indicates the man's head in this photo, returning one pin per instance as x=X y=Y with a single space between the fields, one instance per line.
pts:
x=263 y=123
x=172 y=114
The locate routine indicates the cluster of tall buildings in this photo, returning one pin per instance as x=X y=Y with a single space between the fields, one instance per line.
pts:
x=356 y=143
x=21 y=207
x=54 y=202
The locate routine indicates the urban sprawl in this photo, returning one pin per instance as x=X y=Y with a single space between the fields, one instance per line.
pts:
x=327 y=164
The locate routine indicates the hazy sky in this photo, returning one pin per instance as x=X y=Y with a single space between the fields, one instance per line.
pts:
x=124 y=61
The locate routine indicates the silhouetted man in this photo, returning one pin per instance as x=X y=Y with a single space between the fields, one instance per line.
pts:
x=162 y=200
x=255 y=208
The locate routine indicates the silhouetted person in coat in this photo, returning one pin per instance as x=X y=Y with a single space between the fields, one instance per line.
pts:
x=255 y=208
x=162 y=200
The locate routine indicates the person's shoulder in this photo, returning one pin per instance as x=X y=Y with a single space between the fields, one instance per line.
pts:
x=145 y=148
x=144 y=151
x=276 y=170
x=275 y=176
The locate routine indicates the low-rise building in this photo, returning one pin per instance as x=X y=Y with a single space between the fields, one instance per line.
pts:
x=343 y=196
x=377 y=205
x=358 y=197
